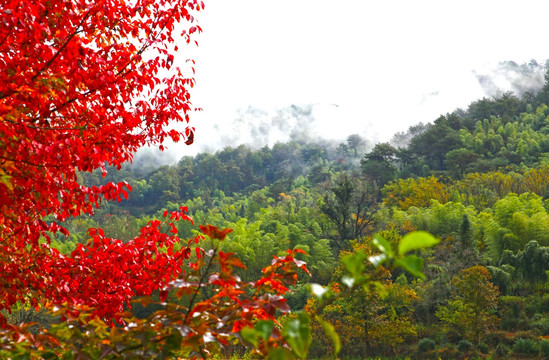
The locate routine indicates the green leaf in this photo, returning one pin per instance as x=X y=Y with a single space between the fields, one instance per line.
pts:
x=332 y=334
x=354 y=263
x=50 y=355
x=173 y=341
x=265 y=328
x=68 y=355
x=6 y=180
x=382 y=290
x=281 y=353
x=416 y=240
x=297 y=334
x=412 y=264
x=250 y=335
x=383 y=245
x=24 y=356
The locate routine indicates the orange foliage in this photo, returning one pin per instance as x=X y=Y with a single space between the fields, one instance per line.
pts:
x=405 y=193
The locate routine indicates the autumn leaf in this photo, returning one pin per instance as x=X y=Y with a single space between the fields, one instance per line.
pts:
x=214 y=232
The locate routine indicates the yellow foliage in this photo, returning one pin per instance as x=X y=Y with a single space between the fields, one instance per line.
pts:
x=419 y=192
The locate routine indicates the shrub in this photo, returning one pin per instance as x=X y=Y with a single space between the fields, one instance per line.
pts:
x=533 y=305
x=483 y=348
x=426 y=344
x=544 y=304
x=447 y=353
x=525 y=335
x=525 y=347
x=512 y=312
x=501 y=351
x=541 y=324
x=498 y=337
x=464 y=345
x=544 y=345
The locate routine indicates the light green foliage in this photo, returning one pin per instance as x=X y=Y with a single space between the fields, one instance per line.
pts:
x=438 y=219
x=516 y=220
x=254 y=248
x=297 y=333
x=527 y=204
x=487 y=211
x=262 y=330
x=64 y=248
x=368 y=311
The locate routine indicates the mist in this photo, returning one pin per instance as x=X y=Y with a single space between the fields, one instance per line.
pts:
x=508 y=76
x=385 y=119
x=259 y=127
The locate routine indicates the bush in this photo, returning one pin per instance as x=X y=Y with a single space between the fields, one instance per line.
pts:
x=497 y=337
x=525 y=347
x=544 y=304
x=544 y=346
x=502 y=351
x=483 y=348
x=512 y=312
x=533 y=305
x=541 y=325
x=447 y=353
x=464 y=345
x=426 y=344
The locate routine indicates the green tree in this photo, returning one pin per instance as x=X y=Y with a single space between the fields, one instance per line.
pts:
x=458 y=160
x=356 y=144
x=347 y=206
x=379 y=164
x=531 y=264
x=435 y=142
x=543 y=95
x=165 y=185
x=471 y=307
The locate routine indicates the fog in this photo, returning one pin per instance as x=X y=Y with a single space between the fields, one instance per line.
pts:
x=376 y=122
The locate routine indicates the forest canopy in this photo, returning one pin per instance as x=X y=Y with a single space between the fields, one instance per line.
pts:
x=432 y=245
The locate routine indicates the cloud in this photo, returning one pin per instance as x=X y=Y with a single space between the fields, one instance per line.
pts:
x=259 y=127
x=147 y=159
x=376 y=116
x=509 y=76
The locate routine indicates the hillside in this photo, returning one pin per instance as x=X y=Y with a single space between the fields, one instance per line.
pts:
x=475 y=178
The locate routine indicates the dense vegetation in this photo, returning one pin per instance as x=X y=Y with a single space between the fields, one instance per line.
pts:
x=87 y=84
x=476 y=178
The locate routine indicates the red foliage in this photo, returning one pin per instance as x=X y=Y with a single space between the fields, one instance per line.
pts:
x=214 y=233
x=84 y=84
x=187 y=325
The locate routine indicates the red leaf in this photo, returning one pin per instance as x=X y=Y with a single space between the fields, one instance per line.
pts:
x=79 y=95
x=190 y=139
x=299 y=251
x=214 y=232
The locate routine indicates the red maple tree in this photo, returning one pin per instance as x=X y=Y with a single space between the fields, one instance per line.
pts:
x=84 y=84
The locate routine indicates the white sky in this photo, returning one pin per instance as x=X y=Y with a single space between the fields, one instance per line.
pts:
x=386 y=64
